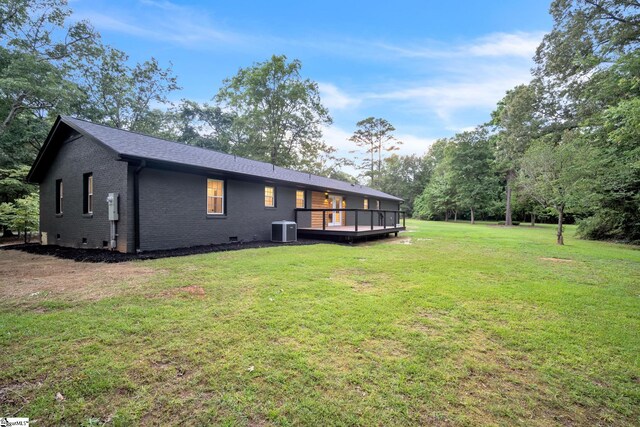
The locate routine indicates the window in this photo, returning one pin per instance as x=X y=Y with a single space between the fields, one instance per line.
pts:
x=269 y=196
x=378 y=204
x=59 y=196
x=300 y=199
x=366 y=203
x=215 y=197
x=87 y=192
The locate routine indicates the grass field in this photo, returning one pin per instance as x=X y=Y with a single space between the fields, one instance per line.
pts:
x=449 y=324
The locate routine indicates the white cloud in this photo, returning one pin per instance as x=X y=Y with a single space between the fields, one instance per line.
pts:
x=165 y=21
x=335 y=99
x=503 y=44
x=338 y=138
x=412 y=144
x=518 y=44
x=446 y=98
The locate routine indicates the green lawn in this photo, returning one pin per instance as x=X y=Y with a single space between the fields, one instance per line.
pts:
x=449 y=324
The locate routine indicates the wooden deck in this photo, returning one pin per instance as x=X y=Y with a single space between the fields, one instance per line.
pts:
x=349 y=231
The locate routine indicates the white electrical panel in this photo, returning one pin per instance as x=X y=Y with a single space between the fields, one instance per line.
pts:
x=112 y=202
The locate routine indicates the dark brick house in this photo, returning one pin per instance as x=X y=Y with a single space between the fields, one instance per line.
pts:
x=174 y=195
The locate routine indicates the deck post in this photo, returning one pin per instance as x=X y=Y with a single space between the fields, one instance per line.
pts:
x=356 y=212
x=324 y=220
x=372 y=220
x=384 y=219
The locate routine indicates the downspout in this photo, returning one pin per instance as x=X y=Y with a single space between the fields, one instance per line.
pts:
x=136 y=204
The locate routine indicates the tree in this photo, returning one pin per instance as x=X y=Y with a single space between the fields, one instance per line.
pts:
x=38 y=48
x=553 y=174
x=376 y=136
x=202 y=125
x=586 y=34
x=439 y=198
x=123 y=96
x=471 y=162
x=13 y=186
x=517 y=124
x=405 y=177
x=589 y=66
x=21 y=215
x=277 y=115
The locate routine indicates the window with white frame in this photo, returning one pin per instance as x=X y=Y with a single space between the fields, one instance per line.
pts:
x=366 y=203
x=87 y=193
x=300 y=199
x=215 y=197
x=59 y=196
x=378 y=204
x=269 y=196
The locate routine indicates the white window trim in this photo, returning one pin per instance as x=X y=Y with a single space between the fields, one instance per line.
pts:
x=273 y=196
x=221 y=197
x=304 y=199
x=90 y=193
x=60 y=191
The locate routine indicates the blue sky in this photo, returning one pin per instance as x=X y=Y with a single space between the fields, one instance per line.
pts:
x=431 y=68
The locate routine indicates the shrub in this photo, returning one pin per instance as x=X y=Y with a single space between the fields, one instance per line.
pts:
x=512 y=223
x=601 y=226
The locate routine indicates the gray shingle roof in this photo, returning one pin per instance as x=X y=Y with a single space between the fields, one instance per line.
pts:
x=131 y=144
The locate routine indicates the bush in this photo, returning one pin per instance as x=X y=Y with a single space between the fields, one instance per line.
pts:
x=22 y=215
x=601 y=226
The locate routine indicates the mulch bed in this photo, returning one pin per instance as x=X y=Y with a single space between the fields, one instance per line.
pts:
x=102 y=255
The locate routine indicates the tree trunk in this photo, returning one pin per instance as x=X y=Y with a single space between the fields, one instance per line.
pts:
x=473 y=220
x=533 y=219
x=446 y=215
x=372 y=164
x=560 y=219
x=511 y=175
x=455 y=215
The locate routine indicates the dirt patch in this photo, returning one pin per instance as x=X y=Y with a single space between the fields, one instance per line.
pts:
x=401 y=241
x=557 y=260
x=384 y=349
x=433 y=323
x=197 y=291
x=106 y=256
x=35 y=277
x=193 y=290
x=376 y=240
x=359 y=279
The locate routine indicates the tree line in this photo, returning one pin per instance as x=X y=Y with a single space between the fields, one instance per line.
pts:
x=567 y=143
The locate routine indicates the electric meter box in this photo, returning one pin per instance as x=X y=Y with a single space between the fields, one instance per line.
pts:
x=112 y=206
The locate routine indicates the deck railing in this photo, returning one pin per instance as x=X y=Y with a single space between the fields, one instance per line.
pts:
x=380 y=216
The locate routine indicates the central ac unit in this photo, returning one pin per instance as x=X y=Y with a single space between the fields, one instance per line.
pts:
x=284 y=231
